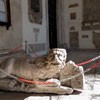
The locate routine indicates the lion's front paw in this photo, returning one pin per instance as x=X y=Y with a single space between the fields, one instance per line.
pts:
x=65 y=90
x=55 y=82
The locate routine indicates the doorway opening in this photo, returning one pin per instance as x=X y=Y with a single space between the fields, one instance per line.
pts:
x=74 y=40
x=52 y=24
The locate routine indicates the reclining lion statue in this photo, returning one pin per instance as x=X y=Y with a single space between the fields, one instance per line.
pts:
x=50 y=68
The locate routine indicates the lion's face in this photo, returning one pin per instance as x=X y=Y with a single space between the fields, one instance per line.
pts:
x=57 y=56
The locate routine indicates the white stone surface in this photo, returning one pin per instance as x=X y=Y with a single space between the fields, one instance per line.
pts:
x=96 y=88
x=72 y=97
x=37 y=98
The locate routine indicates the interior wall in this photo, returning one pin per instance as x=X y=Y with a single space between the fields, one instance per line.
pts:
x=35 y=34
x=85 y=40
x=12 y=37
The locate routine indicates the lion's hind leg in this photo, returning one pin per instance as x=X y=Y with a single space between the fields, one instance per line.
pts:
x=8 y=84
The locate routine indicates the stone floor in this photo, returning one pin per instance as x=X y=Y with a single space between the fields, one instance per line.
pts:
x=92 y=83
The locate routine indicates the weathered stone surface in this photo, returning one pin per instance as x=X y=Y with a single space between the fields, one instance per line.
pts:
x=87 y=94
x=71 y=70
x=51 y=67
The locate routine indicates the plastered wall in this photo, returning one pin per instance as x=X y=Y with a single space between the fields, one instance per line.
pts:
x=12 y=37
x=35 y=34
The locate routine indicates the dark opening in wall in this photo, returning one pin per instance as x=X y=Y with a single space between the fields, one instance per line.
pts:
x=73 y=5
x=85 y=36
x=5 y=17
x=73 y=16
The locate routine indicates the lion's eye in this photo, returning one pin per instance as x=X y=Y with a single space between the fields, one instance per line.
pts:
x=60 y=56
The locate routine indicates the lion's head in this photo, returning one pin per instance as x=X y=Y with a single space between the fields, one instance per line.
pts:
x=57 y=56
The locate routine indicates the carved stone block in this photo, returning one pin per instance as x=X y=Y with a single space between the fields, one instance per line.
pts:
x=75 y=72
